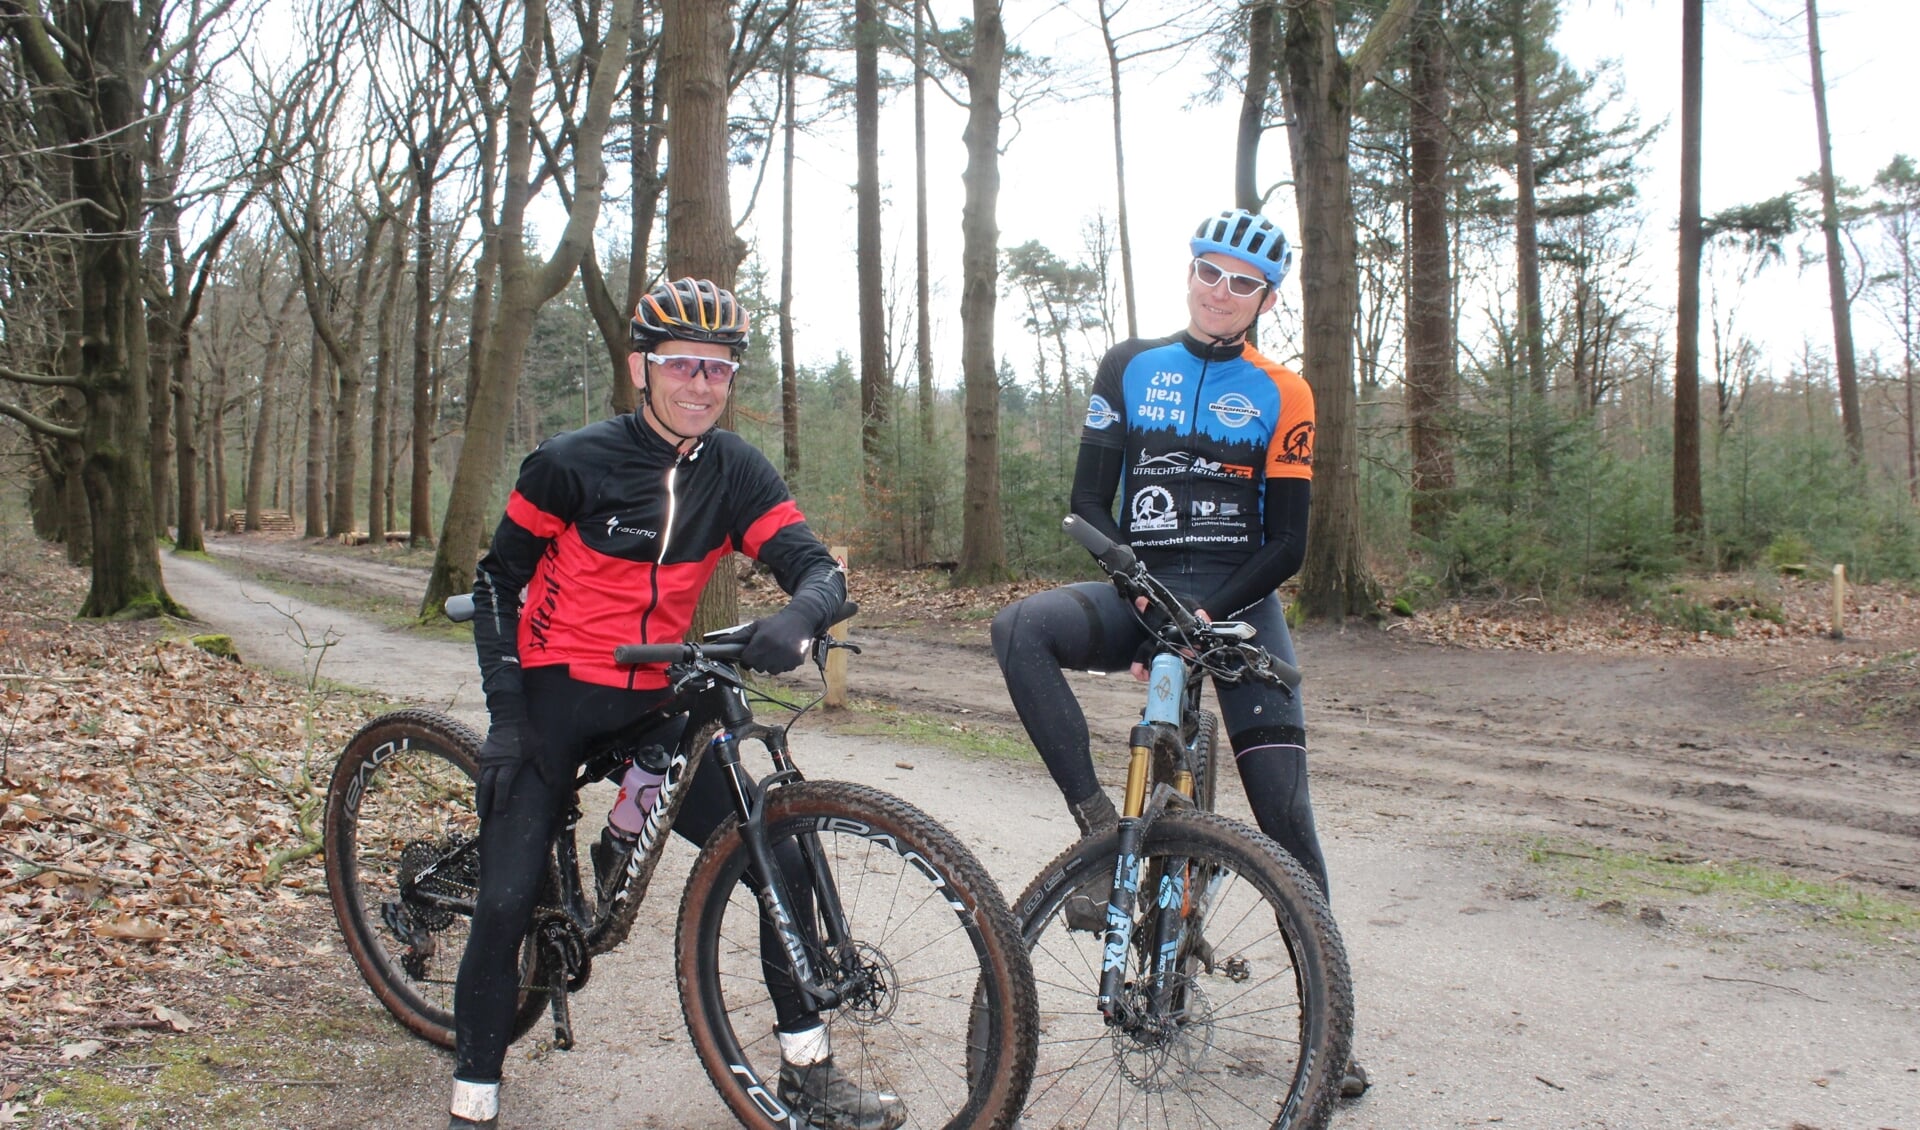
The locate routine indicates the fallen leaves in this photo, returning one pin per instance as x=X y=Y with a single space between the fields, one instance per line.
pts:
x=149 y=794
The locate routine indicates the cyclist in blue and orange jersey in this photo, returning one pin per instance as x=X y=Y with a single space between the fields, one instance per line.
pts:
x=609 y=535
x=1208 y=447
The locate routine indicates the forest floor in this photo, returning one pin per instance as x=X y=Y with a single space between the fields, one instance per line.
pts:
x=1593 y=870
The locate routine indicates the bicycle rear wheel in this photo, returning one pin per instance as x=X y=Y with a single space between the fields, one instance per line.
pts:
x=400 y=831
x=938 y=992
x=1261 y=1018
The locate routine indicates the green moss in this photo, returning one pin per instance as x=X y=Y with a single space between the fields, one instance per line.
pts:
x=1597 y=875
x=868 y=718
x=217 y=644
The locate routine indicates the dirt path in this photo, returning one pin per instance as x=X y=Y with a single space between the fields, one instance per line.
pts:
x=1486 y=995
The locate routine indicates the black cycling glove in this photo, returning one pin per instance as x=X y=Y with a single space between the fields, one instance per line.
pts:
x=1156 y=622
x=510 y=747
x=778 y=643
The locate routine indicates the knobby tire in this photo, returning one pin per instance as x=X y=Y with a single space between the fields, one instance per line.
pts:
x=1264 y=1030
x=404 y=786
x=948 y=1025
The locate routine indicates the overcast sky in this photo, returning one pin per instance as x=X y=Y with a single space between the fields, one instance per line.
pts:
x=1759 y=138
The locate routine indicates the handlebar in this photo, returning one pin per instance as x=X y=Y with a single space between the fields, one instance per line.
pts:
x=1206 y=645
x=723 y=646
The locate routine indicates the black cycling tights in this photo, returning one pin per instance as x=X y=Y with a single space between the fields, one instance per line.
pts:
x=514 y=850
x=1090 y=627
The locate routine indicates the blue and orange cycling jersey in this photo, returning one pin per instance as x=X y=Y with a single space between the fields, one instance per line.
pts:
x=1201 y=431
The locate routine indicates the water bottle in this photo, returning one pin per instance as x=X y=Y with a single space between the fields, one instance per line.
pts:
x=637 y=791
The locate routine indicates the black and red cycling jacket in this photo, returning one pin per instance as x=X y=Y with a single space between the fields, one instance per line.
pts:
x=609 y=536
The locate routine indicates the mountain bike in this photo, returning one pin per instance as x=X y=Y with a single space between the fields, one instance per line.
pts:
x=1217 y=993
x=898 y=937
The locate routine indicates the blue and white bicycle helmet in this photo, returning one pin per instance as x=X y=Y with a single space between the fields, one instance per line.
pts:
x=1244 y=235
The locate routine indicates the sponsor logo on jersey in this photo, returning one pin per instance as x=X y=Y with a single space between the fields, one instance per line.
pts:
x=1174 y=462
x=1153 y=509
x=1298 y=446
x=1234 y=410
x=614 y=527
x=1100 y=414
x=1208 y=508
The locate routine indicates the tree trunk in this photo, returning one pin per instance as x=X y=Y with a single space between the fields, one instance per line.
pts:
x=983 y=553
x=318 y=399
x=1263 y=21
x=876 y=381
x=647 y=132
x=1687 y=511
x=216 y=443
x=186 y=454
x=95 y=99
x=270 y=367
x=922 y=287
x=379 y=429
x=348 y=350
x=1430 y=394
x=701 y=242
x=1322 y=88
x=789 y=366
x=1119 y=168
x=425 y=164
x=1844 y=367
x=1526 y=237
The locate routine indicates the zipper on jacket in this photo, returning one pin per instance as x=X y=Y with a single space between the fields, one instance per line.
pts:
x=666 y=540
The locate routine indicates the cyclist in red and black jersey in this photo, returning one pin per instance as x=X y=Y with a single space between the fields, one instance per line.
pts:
x=1208 y=447
x=609 y=536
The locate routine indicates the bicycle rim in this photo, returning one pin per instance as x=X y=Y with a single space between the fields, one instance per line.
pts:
x=401 y=804
x=1261 y=1011
x=939 y=1008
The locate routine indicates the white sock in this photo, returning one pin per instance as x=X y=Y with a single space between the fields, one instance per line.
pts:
x=804 y=1049
x=476 y=1102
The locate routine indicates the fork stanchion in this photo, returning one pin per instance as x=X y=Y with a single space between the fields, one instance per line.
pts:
x=837 y=659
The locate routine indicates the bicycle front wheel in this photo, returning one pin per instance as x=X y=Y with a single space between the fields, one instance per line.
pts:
x=400 y=832
x=1254 y=1018
x=937 y=992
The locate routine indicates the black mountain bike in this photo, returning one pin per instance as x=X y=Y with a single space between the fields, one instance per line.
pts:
x=1217 y=993
x=900 y=939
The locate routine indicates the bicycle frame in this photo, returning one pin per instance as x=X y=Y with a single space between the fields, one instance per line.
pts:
x=1173 y=697
x=715 y=699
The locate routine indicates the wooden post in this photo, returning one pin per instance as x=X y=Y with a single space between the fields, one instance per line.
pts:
x=1839 y=631
x=837 y=660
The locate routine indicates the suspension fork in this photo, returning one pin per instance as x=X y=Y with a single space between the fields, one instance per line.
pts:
x=776 y=902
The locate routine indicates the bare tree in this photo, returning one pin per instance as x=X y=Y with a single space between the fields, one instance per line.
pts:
x=1429 y=381
x=1838 y=298
x=876 y=378
x=983 y=552
x=700 y=238
x=1173 y=29
x=1322 y=86
x=90 y=63
x=1687 y=507
x=525 y=284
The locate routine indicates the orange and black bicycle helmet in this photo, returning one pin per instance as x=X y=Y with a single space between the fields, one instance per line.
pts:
x=689 y=310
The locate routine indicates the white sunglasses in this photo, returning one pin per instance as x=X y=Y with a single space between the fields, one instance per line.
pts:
x=1240 y=286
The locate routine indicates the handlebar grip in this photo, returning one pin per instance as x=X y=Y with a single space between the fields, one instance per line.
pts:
x=651 y=653
x=1288 y=673
x=1110 y=553
x=459 y=607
